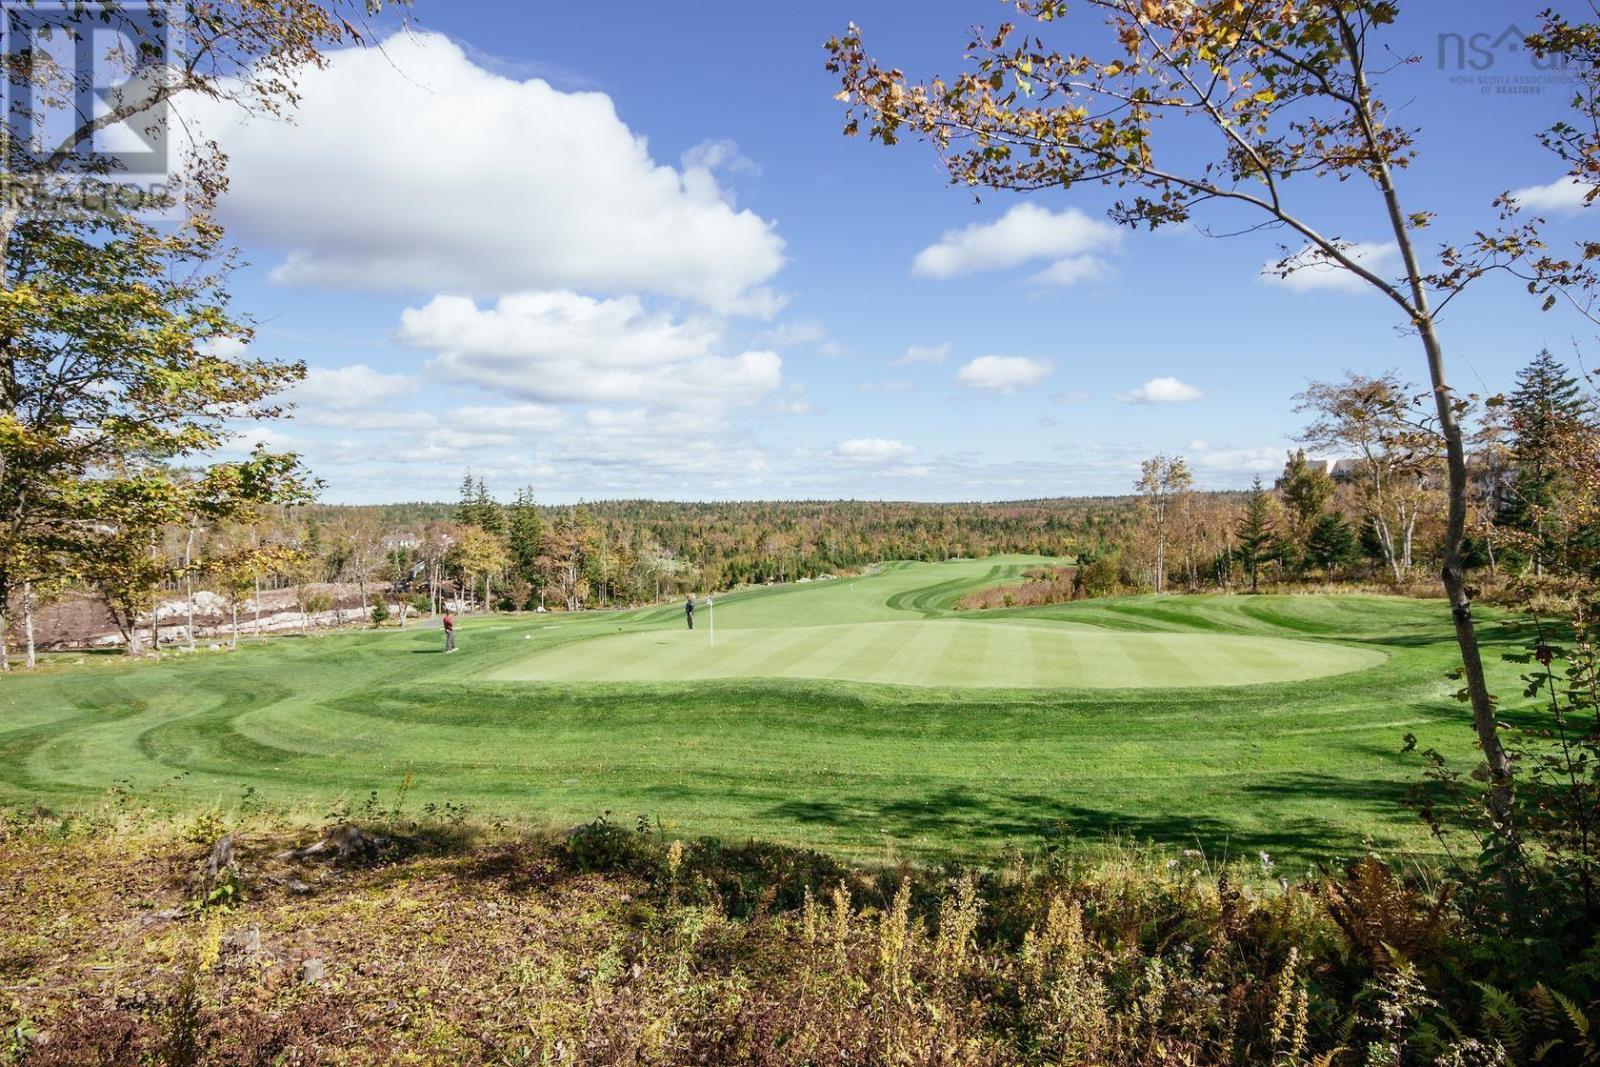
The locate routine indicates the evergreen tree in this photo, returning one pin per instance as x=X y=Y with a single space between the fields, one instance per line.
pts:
x=1331 y=543
x=477 y=508
x=1548 y=406
x=525 y=538
x=467 y=503
x=1306 y=490
x=1371 y=544
x=1255 y=532
x=1547 y=399
x=491 y=516
x=1285 y=552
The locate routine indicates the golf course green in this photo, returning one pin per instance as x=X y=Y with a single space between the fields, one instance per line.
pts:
x=955 y=652
x=863 y=715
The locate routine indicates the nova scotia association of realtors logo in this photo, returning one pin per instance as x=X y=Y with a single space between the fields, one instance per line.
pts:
x=86 y=119
x=1499 y=63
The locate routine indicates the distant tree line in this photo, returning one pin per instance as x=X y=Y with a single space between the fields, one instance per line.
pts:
x=1361 y=501
x=1364 y=498
x=520 y=555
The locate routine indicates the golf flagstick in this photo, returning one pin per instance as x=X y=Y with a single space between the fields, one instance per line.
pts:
x=711 y=612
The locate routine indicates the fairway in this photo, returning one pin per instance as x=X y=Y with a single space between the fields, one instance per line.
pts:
x=864 y=716
x=951 y=652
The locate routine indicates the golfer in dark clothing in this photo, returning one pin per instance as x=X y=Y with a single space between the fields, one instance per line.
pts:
x=688 y=610
x=449 y=632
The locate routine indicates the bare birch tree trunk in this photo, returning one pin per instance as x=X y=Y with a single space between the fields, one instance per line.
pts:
x=1454 y=571
x=27 y=621
x=188 y=583
x=1411 y=531
x=1386 y=542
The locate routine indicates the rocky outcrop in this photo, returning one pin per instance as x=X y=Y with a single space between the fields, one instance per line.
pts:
x=81 y=621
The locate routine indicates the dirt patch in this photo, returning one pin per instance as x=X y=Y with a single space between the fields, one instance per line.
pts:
x=74 y=621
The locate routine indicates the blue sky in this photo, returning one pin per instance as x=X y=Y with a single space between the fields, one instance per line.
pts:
x=624 y=250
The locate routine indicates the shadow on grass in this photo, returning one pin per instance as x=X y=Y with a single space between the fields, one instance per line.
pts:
x=960 y=813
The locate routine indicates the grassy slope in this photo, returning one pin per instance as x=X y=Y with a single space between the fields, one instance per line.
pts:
x=1299 y=769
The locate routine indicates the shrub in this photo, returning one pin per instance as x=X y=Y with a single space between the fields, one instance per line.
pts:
x=1101 y=576
x=603 y=845
x=456 y=949
x=1045 y=585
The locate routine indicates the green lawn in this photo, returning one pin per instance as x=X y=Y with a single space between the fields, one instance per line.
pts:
x=1131 y=715
x=1020 y=654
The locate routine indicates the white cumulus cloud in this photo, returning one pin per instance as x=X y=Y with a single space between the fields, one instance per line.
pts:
x=1072 y=270
x=1165 y=390
x=1562 y=196
x=1236 y=461
x=1309 y=270
x=229 y=348
x=719 y=155
x=409 y=167
x=507 y=419
x=242 y=441
x=1003 y=374
x=352 y=388
x=873 y=449
x=1026 y=232
x=562 y=347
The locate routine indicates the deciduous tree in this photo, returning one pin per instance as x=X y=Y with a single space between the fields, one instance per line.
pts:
x=1163 y=481
x=1306 y=490
x=479 y=555
x=116 y=341
x=1286 y=93
x=1376 y=421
